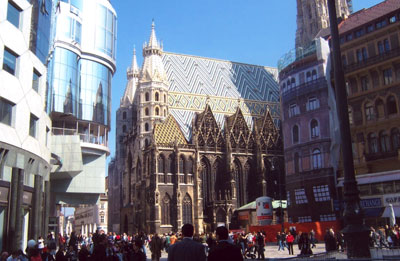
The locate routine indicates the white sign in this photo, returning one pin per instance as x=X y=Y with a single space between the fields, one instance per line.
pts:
x=264 y=210
x=393 y=199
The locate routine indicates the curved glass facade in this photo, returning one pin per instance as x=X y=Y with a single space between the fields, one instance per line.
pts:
x=106 y=26
x=69 y=28
x=79 y=87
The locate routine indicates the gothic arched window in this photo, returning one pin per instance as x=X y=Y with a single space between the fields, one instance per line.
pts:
x=316 y=159
x=138 y=170
x=146 y=111
x=380 y=108
x=314 y=128
x=237 y=172
x=372 y=143
x=160 y=163
x=187 y=210
x=166 y=210
x=157 y=111
x=157 y=96
x=181 y=164
x=147 y=96
x=165 y=98
x=190 y=166
x=123 y=128
x=146 y=127
x=171 y=164
x=124 y=115
x=384 y=141
x=206 y=182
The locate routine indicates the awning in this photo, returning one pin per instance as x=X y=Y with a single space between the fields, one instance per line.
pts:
x=373 y=212
x=396 y=209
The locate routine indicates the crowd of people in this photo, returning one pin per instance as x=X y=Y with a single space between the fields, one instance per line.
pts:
x=185 y=245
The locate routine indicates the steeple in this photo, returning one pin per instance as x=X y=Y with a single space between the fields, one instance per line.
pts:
x=153 y=68
x=132 y=74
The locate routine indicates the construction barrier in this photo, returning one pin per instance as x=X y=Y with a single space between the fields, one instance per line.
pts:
x=319 y=229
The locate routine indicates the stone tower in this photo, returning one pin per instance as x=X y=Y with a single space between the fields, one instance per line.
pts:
x=153 y=90
x=312 y=17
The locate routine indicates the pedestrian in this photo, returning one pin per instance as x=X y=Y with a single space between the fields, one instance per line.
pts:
x=304 y=245
x=330 y=241
x=279 y=239
x=312 y=238
x=156 y=247
x=260 y=246
x=137 y=254
x=224 y=250
x=60 y=256
x=187 y=249
x=13 y=257
x=290 y=240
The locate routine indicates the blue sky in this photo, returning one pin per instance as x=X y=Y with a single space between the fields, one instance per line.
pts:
x=249 y=31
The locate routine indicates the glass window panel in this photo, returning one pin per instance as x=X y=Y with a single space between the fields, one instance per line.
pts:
x=35 y=80
x=9 y=61
x=6 y=111
x=13 y=14
x=376 y=189
x=388 y=187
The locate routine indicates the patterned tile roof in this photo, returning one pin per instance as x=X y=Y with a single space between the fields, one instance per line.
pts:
x=168 y=131
x=224 y=85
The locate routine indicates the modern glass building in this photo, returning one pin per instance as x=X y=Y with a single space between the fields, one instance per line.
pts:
x=82 y=63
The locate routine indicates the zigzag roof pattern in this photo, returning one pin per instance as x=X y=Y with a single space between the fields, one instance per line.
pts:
x=245 y=83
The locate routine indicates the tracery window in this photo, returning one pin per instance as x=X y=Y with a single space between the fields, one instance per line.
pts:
x=166 y=210
x=205 y=178
x=181 y=164
x=187 y=210
x=238 y=183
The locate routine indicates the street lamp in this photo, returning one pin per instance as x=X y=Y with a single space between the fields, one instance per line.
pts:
x=356 y=233
x=279 y=185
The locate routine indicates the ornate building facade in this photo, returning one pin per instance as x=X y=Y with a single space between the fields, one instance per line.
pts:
x=205 y=141
x=312 y=17
x=371 y=57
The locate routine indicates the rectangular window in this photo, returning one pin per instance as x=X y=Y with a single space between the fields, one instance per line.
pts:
x=370 y=28
x=35 y=80
x=313 y=104
x=359 y=33
x=300 y=196
x=380 y=24
x=304 y=219
x=349 y=37
x=32 y=125
x=387 y=76
x=6 y=111
x=13 y=14
x=294 y=110
x=288 y=198
x=9 y=61
x=327 y=217
x=364 y=83
x=102 y=219
x=321 y=193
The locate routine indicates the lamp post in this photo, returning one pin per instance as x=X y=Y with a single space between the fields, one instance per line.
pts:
x=355 y=232
x=279 y=185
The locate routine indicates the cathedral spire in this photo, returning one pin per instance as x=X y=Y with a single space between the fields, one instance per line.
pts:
x=134 y=66
x=153 y=39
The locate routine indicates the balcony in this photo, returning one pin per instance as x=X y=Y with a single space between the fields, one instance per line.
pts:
x=380 y=155
x=84 y=137
x=372 y=60
x=304 y=88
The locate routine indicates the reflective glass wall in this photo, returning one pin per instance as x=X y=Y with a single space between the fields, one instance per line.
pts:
x=40 y=33
x=80 y=87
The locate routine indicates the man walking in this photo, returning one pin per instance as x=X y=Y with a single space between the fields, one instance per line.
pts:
x=155 y=247
x=187 y=249
x=224 y=250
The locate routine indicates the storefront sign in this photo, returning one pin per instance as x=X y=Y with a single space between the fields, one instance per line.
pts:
x=371 y=202
x=4 y=194
x=393 y=199
x=244 y=215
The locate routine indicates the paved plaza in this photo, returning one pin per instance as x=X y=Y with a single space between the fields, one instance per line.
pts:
x=271 y=251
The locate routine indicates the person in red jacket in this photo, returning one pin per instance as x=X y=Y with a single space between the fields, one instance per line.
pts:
x=290 y=240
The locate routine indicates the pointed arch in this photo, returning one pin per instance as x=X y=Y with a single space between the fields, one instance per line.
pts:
x=218 y=179
x=250 y=181
x=138 y=170
x=238 y=177
x=221 y=216
x=187 y=217
x=161 y=163
x=166 y=212
x=157 y=96
x=205 y=176
x=157 y=111
x=147 y=96
x=182 y=164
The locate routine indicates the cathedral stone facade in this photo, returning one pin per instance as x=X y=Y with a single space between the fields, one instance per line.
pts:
x=204 y=141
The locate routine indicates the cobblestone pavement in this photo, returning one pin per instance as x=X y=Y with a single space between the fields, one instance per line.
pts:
x=271 y=251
